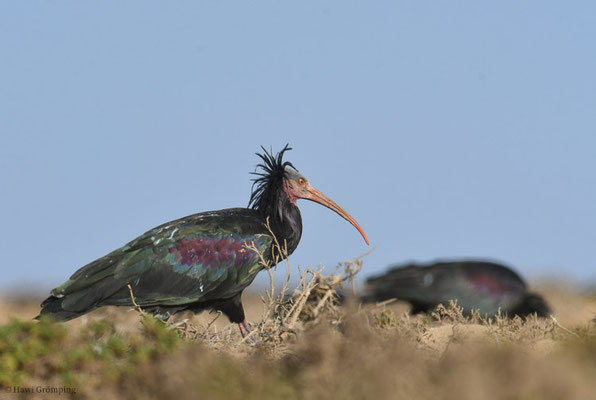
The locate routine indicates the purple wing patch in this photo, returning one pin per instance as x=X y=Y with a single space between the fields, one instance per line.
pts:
x=211 y=252
x=487 y=283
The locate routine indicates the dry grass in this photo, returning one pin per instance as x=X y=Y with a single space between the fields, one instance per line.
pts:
x=309 y=347
x=286 y=313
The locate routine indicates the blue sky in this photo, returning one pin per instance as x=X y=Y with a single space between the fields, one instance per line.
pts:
x=447 y=129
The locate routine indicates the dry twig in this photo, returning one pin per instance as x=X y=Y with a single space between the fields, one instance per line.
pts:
x=134 y=303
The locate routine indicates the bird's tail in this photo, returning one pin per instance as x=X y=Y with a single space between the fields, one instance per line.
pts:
x=52 y=308
x=533 y=303
x=85 y=290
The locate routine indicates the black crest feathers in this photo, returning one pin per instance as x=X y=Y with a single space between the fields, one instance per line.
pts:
x=269 y=179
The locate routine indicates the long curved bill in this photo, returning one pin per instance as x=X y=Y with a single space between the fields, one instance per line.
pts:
x=318 y=197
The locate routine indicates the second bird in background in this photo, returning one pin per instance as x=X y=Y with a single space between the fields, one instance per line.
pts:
x=476 y=285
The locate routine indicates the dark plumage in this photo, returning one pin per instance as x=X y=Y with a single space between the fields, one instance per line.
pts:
x=200 y=261
x=480 y=285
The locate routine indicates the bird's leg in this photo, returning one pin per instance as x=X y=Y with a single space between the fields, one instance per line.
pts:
x=233 y=309
x=245 y=331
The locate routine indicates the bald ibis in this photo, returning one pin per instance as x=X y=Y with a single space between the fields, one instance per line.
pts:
x=200 y=261
x=477 y=285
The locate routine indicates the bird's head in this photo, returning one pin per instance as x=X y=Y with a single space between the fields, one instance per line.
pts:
x=279 y=178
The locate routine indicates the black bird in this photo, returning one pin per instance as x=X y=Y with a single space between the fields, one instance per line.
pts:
x=200 y=261
x=477 y=285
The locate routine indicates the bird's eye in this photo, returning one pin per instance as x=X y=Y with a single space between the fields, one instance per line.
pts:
x=301 y=181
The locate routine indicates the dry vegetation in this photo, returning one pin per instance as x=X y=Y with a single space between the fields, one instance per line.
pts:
x=309 y=347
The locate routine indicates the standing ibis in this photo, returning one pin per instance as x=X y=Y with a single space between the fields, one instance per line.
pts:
x=200 y=261
x=476 y=285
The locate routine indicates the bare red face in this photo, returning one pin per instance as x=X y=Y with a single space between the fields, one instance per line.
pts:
x=297 y=187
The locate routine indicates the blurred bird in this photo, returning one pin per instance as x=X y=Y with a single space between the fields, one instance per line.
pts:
x=200 y=261
x=476 y=285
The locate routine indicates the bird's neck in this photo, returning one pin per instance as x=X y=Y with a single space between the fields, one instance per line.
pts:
x=286 y=223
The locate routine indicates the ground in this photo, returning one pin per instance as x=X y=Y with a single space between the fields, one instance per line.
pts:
x=308 y=347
